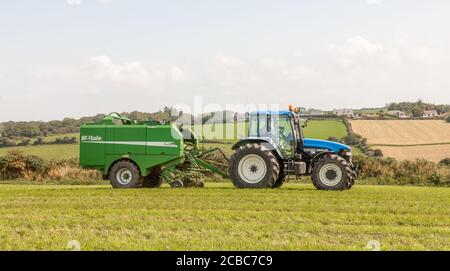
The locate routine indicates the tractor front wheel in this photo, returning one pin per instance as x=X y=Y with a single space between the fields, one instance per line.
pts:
x=125 y=174
x=253 y=167
x=332 y=172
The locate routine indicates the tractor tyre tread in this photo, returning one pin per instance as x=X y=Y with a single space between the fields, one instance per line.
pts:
x=349 y=174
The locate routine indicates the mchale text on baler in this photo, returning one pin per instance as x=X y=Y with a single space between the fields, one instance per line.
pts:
x=143 y=154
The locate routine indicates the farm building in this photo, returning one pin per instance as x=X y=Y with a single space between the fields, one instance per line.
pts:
x=397 y=113
x=430 y=113
x=344 y=112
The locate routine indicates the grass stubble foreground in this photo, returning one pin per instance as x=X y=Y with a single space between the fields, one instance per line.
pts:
x=219 y=217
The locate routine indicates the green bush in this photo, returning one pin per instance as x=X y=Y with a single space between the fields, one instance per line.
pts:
x=16 y=165
x=64 y=140
x=445 y=162
x=378 y=153
x=390 y=171
x=39 y=141
x=334 y=139
x=352 y=139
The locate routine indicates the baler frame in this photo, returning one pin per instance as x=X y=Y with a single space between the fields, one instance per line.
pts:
x=184 y=167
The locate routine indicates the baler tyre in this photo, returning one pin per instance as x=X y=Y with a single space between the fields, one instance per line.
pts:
x=154 y=179
x=253 y=167
x=332 y=172
x=279 y=183
x=125 y=174
x=177 y=184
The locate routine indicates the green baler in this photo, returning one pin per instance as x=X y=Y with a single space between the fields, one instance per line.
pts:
x=144 y=154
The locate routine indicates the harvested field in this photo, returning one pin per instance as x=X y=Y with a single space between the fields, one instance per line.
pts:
x=221 y=217
x=403 y=132
x=434 y=153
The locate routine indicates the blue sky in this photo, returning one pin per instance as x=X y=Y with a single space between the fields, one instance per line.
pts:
x=63 y=58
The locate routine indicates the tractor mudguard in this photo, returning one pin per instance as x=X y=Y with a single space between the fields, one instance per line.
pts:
x=266 y=142
x=317 y=158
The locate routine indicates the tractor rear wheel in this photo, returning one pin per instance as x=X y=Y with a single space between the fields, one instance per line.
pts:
x=253 y=167
x=154 y=179
x=125 y=174
x=333 y=172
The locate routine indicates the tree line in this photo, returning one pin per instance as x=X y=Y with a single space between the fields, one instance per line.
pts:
x=33 y=132
x=25 y=133
x=416 y=109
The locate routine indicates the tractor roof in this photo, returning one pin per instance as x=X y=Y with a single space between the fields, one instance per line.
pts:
x=281 y=112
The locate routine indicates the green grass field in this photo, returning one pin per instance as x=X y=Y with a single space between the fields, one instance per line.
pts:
x=320 y=129
x=222 y=132
x=323 y=129
x=48 y=151
x=52 y=138
x=219 y=217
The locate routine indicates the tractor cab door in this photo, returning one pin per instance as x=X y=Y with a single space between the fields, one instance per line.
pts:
x=283 y=133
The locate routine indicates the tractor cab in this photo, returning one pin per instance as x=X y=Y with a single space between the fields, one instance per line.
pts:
x=283 y=128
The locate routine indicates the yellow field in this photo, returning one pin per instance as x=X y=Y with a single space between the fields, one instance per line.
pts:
x=434 y=153
x=403 y=132
x=405 y=138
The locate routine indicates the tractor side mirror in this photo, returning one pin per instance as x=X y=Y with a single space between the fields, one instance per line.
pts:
x=305 y=124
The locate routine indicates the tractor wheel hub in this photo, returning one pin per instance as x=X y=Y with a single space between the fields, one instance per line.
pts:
x=252 y=168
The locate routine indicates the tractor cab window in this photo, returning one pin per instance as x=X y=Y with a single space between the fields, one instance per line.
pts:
x=282 y=133
x=259 y=126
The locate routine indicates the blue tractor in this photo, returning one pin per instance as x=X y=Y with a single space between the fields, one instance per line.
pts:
x=276 y=148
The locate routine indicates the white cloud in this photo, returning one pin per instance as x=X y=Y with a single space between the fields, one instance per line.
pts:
x=357 y=46
x=272 y=63
x=426 y=54
x=132 y=73
x=355 y=50
x=177 y=74
x=374 y=2
x=79 y=2
x=103 y=69
x=357 y=72
x=230 y=61
x=298 y=73
x=298 y=53
x=73 y=2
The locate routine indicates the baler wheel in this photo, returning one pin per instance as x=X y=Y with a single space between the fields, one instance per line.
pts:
x=125 y=174
x=177 y=184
